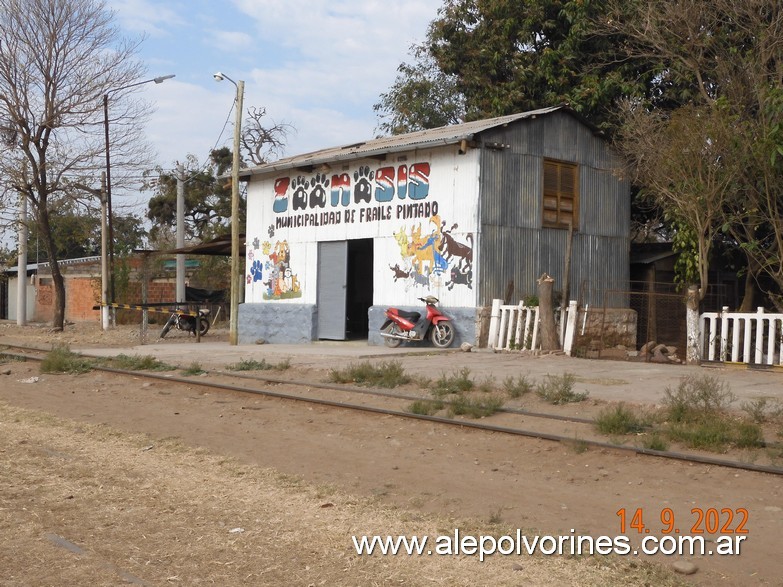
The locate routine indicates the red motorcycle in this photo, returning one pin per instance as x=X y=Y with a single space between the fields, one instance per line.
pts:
x=411 y=326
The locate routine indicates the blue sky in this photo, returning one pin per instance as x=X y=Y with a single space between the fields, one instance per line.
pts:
x=318 y=65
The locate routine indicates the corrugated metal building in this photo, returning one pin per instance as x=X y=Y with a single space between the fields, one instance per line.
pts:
x=466 y=213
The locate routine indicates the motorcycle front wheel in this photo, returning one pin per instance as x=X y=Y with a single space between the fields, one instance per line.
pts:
x=169 y=323
x=442 y=335
x=392 y=343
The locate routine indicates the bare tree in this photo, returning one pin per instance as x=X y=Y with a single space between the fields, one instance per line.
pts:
x=262 y=142
x=58 y=59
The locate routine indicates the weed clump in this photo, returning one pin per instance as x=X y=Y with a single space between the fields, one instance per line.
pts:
x=517 y=387
x=475 y=407
x=61 y=360
x=194 y=369
x=559 y=389
x=138 y=363
x=425 y=407
x=388 y=374
x=459 y=383
x=619 y=420
x=697 y=416
x=262 y=365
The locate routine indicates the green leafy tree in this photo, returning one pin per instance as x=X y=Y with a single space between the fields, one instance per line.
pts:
x=485 y=58
x=207 y=210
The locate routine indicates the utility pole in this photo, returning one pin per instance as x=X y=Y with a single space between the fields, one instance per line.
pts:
x=181 y=291
x=21 y=289
x=104 y=255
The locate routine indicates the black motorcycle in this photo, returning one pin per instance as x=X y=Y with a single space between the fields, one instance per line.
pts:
x=187 y=323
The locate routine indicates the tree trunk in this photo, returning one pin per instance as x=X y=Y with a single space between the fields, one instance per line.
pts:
x=58 y=310
x=749 y=295
x=693 y=334
x=549 y=338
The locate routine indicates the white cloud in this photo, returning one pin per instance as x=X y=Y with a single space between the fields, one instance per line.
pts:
x=232 y=41
x=146 y=16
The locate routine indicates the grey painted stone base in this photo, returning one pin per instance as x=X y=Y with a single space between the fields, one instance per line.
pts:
x=297 y=323
x=463 y=319
x=276 y=323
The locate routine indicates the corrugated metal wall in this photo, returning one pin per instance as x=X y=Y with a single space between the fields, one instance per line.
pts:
x=513 y=246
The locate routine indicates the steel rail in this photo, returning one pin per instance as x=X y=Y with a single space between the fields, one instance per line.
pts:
x=686 y=457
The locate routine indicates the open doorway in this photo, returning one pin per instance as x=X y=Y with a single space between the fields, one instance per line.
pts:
x=345 y=288
x=359 y=287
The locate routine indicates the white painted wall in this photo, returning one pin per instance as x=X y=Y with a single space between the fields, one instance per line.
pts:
x=12 y=301
x=418 y=201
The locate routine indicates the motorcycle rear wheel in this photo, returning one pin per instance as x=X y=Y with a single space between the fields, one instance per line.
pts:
x=442 y=335
x=392 y=343
x=203 y=324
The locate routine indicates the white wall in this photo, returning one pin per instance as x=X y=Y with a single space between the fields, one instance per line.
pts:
x=12 y=301
x=419 y=202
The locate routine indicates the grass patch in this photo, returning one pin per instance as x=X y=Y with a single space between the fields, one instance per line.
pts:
x=655 y=441
x=517 y=387
x=61 y=360
x=487 y=385
x=138 y=363
x=480 y=407
x=425 y=407
x=388 y=374
x=262 y=365
x=458 y=383
x=619 y=419
x=559 y=389
x=194 y=369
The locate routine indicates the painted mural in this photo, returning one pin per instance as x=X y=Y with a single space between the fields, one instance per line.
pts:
x=427 y=253
x=424 y=248
x=270 y=265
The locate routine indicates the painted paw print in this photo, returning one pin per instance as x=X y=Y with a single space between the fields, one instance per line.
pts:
x=256 y=244
x=362 y=191
x=300 y=185
x=271 y=231
x=318 y=193
x=256 y=270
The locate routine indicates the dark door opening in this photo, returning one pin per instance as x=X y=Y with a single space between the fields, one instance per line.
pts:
x=359 y=287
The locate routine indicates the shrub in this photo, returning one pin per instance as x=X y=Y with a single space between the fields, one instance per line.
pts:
x=697 y=398
x=61 y=360
x=517 y=387
x=559 y=389
x=454 y=383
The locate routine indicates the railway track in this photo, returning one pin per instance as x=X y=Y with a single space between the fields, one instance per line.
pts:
x=389 y=403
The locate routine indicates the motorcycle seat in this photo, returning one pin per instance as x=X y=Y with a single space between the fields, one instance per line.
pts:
x=412 y=316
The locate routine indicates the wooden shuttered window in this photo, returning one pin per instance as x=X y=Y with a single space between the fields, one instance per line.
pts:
x=561 y=195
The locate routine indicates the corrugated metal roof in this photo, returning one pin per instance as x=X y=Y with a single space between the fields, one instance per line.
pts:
x=445 y=135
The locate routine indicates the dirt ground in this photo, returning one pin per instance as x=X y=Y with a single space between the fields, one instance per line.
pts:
x=221 y=461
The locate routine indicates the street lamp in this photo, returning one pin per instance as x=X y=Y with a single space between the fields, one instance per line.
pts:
x=233 y=336
x=157 y=80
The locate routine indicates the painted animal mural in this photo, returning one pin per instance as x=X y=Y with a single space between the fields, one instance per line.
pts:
x=425 y=256
x=274 y=273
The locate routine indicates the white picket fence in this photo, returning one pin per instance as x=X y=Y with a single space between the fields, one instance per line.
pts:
x=516 y=327
x=742 y=337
